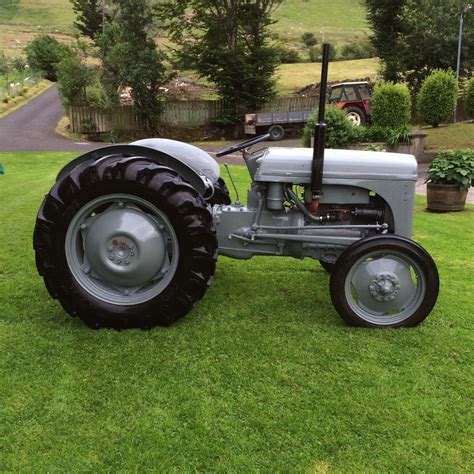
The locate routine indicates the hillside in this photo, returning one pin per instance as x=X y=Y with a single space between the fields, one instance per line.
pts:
x=338 y=21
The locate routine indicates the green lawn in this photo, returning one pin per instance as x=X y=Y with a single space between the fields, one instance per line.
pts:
x=458 y=135
x=262 y=376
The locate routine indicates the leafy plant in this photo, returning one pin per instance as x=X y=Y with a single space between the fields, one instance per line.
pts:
x=44 y=54
x=339 y=132
x=391 y=105
x=73 y=79
x=357 y=50
x=453 y=167
x=392 y=136
x=470 y=98
x=309 y=39
x=438 y=97
x=374 y=147
x=287 y=55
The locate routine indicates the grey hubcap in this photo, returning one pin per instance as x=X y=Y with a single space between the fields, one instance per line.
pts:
x=122 y=249
x=385 y=288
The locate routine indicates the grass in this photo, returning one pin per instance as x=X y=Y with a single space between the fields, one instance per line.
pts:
x=261 y=376
x=458 y=135
x=291 y=77
x=341 y=20
x=335 y=21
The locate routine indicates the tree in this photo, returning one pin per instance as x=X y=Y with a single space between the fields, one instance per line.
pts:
x=6 y=67
x=130 y=58
x=387 y=20
x=91 y=16
x=44 y=53
x=391 y=105
x=20 y=65
x=415 y=37
x=228 y=42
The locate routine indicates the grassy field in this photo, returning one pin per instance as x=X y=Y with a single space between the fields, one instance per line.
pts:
x=339 y=21
x=459 y=135
x=291 y=77
x=261 y=376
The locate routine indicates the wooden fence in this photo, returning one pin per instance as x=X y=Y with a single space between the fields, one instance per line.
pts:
x=176 y=113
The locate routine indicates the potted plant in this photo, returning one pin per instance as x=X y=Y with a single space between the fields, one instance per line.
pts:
x=450 y=176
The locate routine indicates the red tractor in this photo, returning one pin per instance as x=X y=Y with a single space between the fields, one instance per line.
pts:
x=354 y=98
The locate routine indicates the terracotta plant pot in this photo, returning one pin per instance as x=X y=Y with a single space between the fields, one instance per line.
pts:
x=445 y=198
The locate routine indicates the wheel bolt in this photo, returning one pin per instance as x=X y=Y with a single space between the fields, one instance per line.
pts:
x=132 y=254
x=121 y=204
x=126 y=292
x=110 y=248
x=83 y=226
x=119 y=261
x=127 y=262
x=161 y=227
x=87 y=270
x=111 y=257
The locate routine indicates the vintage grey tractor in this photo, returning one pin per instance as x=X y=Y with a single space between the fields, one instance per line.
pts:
x=129 y=235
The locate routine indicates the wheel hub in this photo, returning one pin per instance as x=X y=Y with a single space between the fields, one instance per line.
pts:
x=385 y=287
x=125 y=247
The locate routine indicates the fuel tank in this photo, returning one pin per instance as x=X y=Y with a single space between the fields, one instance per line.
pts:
x=293 y=165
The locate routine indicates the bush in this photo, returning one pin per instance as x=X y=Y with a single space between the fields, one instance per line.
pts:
x=309 y=39
x=73 y=79
x=392 y=136
x=314 y=54
x=44 y=54
x=6 y=99
x=470 y=98
x=340 y=131
x=453 y=167
x=391 y=105
x=438 y=97
x=357 y=50
x=287 y=55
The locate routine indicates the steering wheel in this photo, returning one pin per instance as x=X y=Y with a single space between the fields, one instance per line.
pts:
x=241 y=146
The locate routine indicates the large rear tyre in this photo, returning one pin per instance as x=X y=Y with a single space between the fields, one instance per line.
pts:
x=355 y=115
x=384 y=281
x=125 y=243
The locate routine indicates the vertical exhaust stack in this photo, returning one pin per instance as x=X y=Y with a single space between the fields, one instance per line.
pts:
x=319 y=137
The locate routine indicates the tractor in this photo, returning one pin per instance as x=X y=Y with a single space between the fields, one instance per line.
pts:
x=353 y=98
x=129 y=235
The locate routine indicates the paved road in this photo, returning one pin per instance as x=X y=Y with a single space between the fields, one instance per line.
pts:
x=31 y=127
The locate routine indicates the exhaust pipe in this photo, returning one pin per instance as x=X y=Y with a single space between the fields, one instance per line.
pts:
x=319 y=137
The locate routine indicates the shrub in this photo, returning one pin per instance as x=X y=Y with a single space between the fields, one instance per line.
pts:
x=438 y=97
x=287 y=55
x=358 y=50
x=340 y=131
x=309 y=39
x=6 y=99
x=73 y=79
x=453 y=167
x=44 y=54
x=391 y=105
x=314 y=54
x=470 y=98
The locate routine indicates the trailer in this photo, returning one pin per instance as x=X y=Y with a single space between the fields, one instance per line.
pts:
x=276 y=124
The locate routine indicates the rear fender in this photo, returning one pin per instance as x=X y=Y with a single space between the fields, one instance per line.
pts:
x=199 y=181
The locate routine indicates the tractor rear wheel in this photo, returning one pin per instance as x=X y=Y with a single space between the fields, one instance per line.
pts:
x=355 y=115
x=125 y=242
x=384 y=281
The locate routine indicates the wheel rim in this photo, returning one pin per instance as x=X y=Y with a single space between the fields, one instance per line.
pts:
x=354 y=117
x=385 y=288
x=122 y=249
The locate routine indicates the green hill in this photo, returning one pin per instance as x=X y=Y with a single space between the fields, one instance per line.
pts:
x=336 y=21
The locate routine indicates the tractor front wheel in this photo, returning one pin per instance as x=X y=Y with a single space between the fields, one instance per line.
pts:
x=125 y=242
x=384 y=281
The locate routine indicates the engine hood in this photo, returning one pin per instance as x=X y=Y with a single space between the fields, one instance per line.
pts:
x=293 y=165
x=200 y=161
